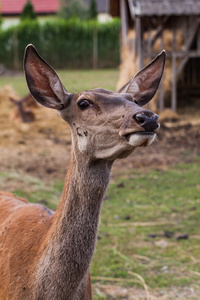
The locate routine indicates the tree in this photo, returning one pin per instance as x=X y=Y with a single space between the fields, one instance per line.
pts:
x=73 y=9
x=1 y=20
x=28 y=11
x=92 y=11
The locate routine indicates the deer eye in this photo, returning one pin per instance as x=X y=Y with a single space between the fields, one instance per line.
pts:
x=83 y=104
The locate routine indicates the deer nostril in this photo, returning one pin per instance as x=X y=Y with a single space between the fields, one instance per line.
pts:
x=140 y=119
x=149 y=122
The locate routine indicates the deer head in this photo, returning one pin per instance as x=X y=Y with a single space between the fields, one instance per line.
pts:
x=104 y=124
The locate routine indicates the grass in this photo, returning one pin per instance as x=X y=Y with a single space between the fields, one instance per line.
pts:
x=170 y=201
x=32 y=188
x=137 y=206
x=73 y=80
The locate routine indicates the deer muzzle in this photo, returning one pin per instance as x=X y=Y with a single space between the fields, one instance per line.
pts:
x=143 y=130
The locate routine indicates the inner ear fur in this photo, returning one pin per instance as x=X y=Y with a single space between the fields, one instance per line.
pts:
x=43 y=82
x=145 y=83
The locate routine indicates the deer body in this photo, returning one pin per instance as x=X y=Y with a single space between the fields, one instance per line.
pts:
x=23 y=109
x=46 y=255
x=38 y=246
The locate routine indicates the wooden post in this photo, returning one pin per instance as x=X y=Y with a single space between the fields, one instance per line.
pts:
x=95 y=48
x=198 y=38
x=16 y=50
x=174 y=75
x=149 y=45
x=161 y=94
x=139 y=40
x=124 y=22
x=149 y=52
x=174 y=85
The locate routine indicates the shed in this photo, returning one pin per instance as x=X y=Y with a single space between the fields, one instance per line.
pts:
x=150 y=20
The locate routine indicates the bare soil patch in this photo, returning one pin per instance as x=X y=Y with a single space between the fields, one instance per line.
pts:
x=128 y=293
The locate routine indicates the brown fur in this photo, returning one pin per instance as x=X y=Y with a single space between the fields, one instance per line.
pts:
x=23 y=109
x=46 y=255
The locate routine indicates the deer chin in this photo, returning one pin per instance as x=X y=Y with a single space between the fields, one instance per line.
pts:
x=139 y=139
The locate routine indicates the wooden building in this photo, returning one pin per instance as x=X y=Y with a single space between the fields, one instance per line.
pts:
x=151 y=19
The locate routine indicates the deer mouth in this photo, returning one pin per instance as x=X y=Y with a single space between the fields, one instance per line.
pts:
x=140 y=138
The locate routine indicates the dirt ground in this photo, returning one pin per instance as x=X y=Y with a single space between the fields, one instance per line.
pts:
x=114 y=292
x=42 y=148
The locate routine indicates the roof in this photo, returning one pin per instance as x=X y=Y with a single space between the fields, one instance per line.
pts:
x=15 y=7
x=102 y=5
x=164 y=7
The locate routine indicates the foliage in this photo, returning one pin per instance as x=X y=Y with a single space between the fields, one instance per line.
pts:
x=92 y=11
x=64 y=44
x=1 y=20
x=28 y=12
x=73 y=9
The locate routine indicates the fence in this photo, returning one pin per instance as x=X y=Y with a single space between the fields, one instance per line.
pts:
x=64 y=44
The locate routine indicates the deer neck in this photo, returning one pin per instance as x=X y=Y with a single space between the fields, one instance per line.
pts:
x=77 y=215
x=74 y=230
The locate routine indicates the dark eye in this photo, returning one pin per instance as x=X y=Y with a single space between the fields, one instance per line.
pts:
x=83 y=104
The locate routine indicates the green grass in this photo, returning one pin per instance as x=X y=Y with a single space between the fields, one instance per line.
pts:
x=32 y=188
x=73 y=80
x=170 y=199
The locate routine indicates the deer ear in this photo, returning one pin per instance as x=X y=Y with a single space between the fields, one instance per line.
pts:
x=145 y=84
x=43 y=82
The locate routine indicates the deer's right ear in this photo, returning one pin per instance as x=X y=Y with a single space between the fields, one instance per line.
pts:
x=145 y=84
x=43 y=82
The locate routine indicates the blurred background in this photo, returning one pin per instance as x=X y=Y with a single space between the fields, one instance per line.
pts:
x=149 y=235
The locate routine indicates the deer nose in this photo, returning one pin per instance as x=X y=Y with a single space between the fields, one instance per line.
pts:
x=147 y=121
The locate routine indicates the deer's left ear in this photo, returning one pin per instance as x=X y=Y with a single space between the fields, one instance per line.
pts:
x=145 y=84
x=43 y=82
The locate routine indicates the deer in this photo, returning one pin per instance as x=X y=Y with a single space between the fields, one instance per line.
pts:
x=23 y=109
x=44 y=254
